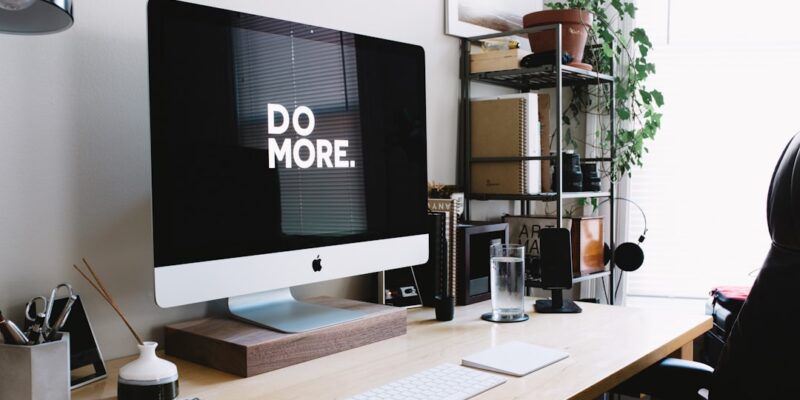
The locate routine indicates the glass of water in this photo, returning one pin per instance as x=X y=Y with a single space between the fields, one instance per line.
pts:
x=507 y=281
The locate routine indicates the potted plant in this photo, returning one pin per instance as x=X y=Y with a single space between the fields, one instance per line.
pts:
x=576 y=25
x=637 y=106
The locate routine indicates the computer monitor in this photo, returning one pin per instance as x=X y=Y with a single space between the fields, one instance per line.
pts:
x=282 y=154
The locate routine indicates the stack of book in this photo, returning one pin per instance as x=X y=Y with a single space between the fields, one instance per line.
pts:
x=508 y=126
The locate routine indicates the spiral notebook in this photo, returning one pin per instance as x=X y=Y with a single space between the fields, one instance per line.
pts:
x=505 y=126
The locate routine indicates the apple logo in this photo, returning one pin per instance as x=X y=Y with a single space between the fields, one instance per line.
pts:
x=317 y=264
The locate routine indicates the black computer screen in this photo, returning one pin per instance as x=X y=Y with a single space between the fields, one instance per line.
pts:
x=269 y=135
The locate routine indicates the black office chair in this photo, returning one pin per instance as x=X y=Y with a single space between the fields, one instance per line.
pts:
x=761 y=358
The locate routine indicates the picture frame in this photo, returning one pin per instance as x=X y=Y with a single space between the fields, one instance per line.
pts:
x=474 y=239
x=586 y=238
x=467 y=18
x=86 y=360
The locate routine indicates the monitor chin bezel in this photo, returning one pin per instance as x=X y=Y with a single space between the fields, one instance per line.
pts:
x=190 y=283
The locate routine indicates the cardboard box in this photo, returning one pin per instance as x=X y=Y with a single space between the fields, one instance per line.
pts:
x=496 y=60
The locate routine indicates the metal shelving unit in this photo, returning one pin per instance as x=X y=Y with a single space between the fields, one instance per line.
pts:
x=549 y=196
x=540 y=77
x=577 y=279
x=555 y=76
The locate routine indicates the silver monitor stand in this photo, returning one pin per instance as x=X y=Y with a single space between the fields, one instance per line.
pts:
x=279 y=310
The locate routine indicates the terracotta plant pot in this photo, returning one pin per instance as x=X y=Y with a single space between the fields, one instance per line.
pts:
x=574 y=31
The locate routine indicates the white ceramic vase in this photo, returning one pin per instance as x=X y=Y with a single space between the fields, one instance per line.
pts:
x=148 y=377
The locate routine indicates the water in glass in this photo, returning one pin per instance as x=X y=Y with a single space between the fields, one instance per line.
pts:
x=508 y=286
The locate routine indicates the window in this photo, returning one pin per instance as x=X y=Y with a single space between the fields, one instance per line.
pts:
x=727 y=74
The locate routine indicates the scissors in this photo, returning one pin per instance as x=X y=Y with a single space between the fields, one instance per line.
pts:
x=36 y=312
x=40 y=329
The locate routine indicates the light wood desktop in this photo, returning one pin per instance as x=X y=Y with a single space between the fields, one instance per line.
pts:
x=607 y=345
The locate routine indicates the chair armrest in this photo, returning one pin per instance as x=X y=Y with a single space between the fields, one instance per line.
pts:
x=671 y=378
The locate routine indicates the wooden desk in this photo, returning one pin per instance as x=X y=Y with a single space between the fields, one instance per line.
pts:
x=607 y=344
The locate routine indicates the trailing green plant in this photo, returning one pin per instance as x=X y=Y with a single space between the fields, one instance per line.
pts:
x=612 y=50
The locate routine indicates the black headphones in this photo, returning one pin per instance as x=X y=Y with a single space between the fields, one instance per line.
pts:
x=628 y=256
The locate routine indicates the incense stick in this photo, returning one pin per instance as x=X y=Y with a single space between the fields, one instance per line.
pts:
x=96 y=279
x=90 y=282
x=101 y=289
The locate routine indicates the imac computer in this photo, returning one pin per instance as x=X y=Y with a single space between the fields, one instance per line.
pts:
x=282 y=154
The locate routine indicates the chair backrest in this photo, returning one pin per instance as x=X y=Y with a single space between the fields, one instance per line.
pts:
x=762 y=348
x=783 y=201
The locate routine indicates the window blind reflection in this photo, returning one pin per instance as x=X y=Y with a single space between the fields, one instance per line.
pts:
x=313 y=67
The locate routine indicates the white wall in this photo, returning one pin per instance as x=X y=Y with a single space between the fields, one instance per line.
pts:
x=74 y=155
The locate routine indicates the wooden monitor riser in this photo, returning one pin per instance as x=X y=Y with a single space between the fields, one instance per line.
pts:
x=243 y=349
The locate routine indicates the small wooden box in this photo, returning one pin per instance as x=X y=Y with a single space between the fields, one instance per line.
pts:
x=496 y=60
x=587 y=245
x=243 y=349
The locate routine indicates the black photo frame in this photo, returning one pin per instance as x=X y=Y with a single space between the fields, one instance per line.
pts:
x=85 y=360
x=472 y=276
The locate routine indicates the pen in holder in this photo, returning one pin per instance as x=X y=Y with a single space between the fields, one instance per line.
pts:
x=38 y=372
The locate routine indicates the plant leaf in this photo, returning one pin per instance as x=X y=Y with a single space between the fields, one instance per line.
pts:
x=617 y=4
x=639 y=36
x=658 y=97
x=623 y=113
x=646 y=97
x=607 y=50
x=630 y=9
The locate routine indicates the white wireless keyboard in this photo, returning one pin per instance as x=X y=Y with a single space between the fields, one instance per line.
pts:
x=444 y=382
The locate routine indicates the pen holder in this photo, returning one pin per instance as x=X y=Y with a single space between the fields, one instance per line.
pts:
x=35 y=372
x=445 y=307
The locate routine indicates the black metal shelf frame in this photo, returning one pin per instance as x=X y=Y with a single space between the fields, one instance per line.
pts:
x=526 y=79
x=531 y=158
x=549 y=196
x=576 y=279
x=540 y=77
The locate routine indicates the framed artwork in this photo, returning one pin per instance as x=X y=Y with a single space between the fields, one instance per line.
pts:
x=466 y=18
x=586 y=234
